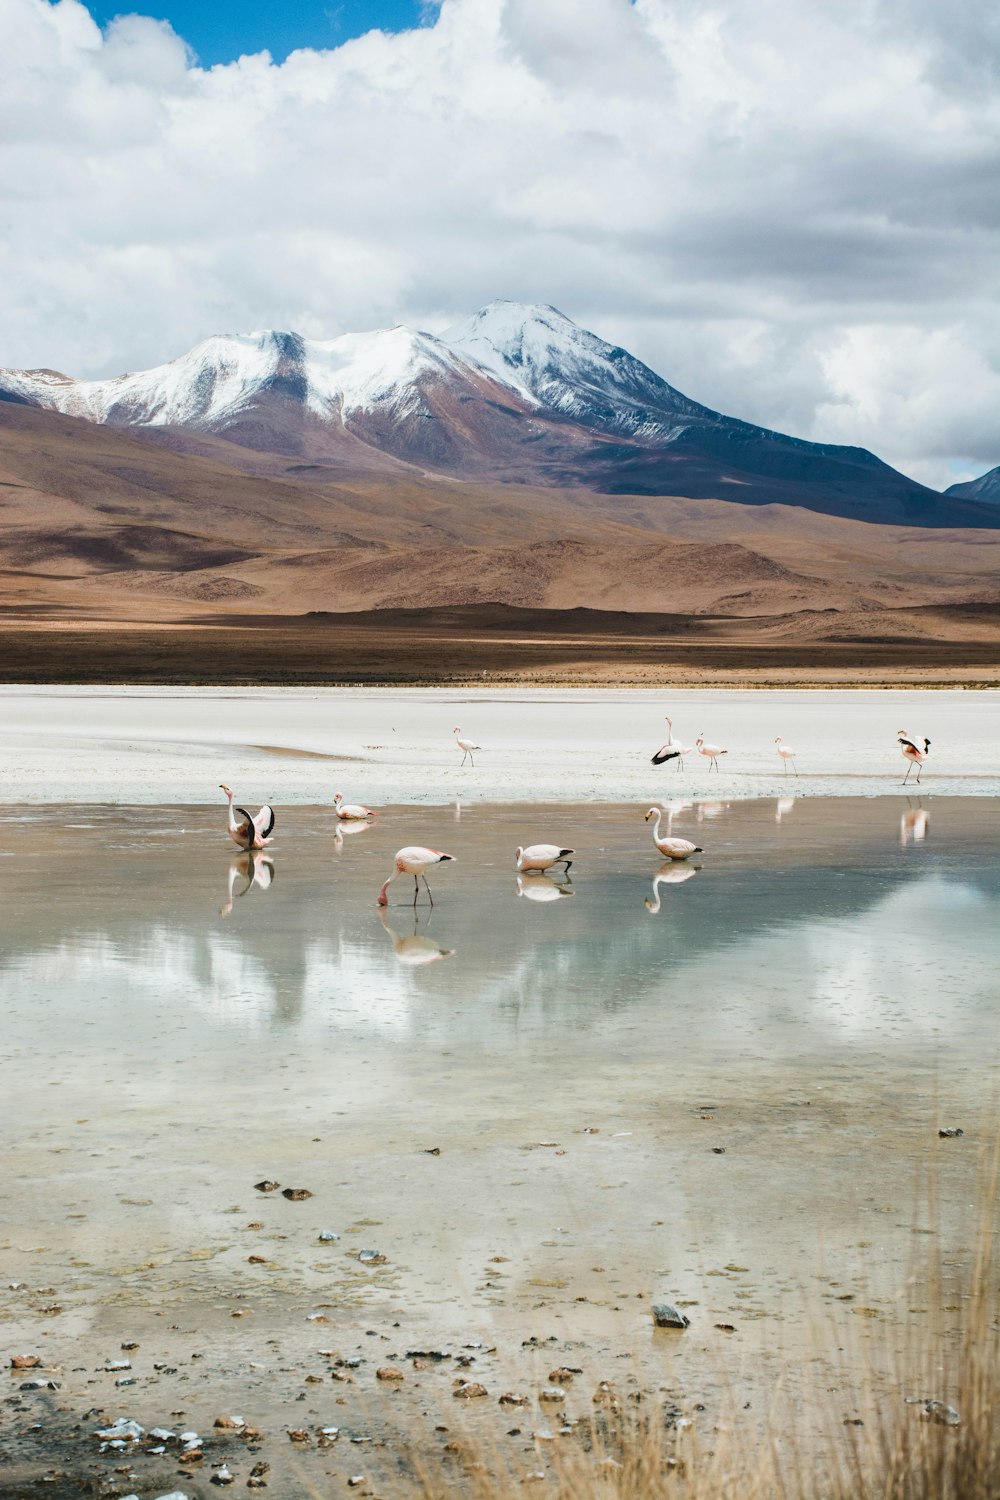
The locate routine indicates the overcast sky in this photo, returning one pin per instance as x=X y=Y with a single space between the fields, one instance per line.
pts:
x=789 y=208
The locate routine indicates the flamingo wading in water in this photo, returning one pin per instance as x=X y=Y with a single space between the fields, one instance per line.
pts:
x=672 y=749
x=711 y=752
x=251 y=832
x=787 y=754
x=466 y=746
x=413 y=860
x=351 y=812
x=671 y=847
x=912 y=755
x=542 y=856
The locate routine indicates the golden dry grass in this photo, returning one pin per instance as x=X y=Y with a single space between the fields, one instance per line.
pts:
x=926 y=1424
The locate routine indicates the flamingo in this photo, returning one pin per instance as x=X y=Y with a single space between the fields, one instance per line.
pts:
x=668 y=874
x=466 y=746
x=711 y=752
x=787 y=754
x=912 y=754
x=671 y=847
x=351 y=812
x=252 y=833
x=543 y=888
x=413 y=860
x=672 y=749
x=412 y=948
x=541 y=857
x=257 y=870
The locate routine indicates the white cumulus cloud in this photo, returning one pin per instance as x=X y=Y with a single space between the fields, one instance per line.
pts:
x=790 y=211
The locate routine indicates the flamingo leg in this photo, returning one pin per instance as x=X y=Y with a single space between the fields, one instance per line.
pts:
x=428 y=889
x=908 y=770
x=416 y=889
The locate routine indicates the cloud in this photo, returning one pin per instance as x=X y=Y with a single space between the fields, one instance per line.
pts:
x=789 y=211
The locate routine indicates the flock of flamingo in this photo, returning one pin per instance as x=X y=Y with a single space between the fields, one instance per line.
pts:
x=253 y=832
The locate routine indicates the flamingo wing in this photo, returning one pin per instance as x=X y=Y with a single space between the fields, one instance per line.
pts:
x=666 y=752
x=246 y=828
x=908 y=745
x=264 y=822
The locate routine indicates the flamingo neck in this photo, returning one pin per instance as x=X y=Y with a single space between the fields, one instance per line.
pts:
x=383 y=899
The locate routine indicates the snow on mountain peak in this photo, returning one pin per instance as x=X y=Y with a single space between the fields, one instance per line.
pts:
x=530 y=348
x=540 y=352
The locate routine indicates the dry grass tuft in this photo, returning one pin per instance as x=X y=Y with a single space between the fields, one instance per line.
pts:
x=926 y=1426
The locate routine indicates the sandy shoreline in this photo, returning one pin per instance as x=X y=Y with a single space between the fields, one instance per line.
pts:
x=300 y=745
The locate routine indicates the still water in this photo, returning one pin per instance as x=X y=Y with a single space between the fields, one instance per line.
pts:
x=536 y=1101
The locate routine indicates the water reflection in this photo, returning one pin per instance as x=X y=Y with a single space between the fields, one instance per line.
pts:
x=347 y=830
x=414 y=947
x=913 y=825
x=828 y=928
x=670 y=873
x=706 y=810
x=255 y=870
x=673 y=807
x=783 y=807
x=540 y=887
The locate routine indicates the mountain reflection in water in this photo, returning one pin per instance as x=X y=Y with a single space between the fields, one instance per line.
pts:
x=800 y=933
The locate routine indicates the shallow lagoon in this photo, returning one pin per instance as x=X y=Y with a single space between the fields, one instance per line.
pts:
x=632 y=1086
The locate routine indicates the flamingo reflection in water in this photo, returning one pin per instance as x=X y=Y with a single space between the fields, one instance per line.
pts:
x=414 y=948
x=705 y=810
x=347 y=831
x=782 y=807
x=913 y=826
x=540 y=887
x=256 y=869
x=668 y=874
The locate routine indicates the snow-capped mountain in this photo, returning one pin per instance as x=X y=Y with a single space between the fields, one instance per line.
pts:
x=220 y=379
x=519 y=393
x=546 y=357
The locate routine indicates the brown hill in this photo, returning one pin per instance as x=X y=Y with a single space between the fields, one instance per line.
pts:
x=100 y=525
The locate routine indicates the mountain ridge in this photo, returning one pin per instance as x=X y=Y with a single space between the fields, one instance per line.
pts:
x=517 y=394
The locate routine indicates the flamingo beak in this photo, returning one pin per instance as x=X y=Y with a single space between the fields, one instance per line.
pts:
x=645 y=817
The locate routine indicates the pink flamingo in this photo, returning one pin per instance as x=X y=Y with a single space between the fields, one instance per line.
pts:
x=252 y=833
x=351 y=812
x=542 y=856
x=414 y=860
x=912 y=754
